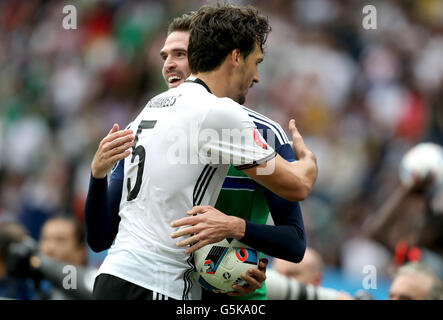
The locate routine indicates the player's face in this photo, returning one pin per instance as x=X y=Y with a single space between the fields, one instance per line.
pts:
x=175 y=58
x=248 y=73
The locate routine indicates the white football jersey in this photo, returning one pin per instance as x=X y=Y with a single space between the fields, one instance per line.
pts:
x=185 y=141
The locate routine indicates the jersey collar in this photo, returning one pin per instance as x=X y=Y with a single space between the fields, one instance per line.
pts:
x=193 y=79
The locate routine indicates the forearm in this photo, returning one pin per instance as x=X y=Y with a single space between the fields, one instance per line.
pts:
x=292 y=181
x=284 y=241
x=236 y=227
x=101 y=215
x=303 y=174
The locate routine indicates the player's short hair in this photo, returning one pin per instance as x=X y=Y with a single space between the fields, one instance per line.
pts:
x=182 y=23
x=217 y=30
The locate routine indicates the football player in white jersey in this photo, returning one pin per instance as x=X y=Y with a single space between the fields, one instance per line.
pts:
x=143 y=253
x=116 y=144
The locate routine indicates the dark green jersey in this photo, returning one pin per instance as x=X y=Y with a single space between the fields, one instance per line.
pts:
x=244 y=198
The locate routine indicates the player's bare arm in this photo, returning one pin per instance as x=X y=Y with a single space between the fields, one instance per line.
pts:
x=290 y=180
x=113 y=148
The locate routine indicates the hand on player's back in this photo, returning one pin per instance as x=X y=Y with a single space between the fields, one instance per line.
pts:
x=113 y=148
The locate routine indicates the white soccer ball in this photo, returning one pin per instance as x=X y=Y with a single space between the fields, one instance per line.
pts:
x=219 y=265
x=423 y=159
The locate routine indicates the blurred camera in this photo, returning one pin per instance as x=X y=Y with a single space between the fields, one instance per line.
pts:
x=18 y=259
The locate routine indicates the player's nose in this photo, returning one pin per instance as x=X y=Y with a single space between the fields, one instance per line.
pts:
x=169 y=64
x=255 y=80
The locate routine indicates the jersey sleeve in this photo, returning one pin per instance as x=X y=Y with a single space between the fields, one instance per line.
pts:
x=286 y=240
x=286 y=152
x=101 y=209
x=275 y=136
x=117 y=173
x=228 y=136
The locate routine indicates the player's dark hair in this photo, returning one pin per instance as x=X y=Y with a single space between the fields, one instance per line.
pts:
x=217 y=30
x=182 y=23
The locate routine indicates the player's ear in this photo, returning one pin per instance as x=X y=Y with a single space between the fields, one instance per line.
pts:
x=235 y=57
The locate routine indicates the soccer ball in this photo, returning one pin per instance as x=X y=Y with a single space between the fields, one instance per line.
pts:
x=219 y=265
x=418 y=162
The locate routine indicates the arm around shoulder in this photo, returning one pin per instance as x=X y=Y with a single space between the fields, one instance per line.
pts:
x=292 y=181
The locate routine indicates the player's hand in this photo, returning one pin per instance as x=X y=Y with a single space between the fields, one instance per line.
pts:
x=302 y=152
x=207 y=225
x=254 y=279
x=113 y=148
x=298 y=145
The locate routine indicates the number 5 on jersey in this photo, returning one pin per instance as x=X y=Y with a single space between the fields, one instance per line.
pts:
x=141 y=153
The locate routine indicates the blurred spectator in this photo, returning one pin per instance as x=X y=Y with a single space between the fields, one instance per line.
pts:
x=308 y=271
x=410 y=226
x=54 y=268
x=415 y=281
x=63 y=239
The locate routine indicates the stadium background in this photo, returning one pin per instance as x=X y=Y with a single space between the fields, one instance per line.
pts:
x=360 y=97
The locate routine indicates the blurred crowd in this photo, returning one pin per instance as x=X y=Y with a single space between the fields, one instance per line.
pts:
x=360 y=97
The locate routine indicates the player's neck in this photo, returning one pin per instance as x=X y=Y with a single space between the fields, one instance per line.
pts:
x=217 y=81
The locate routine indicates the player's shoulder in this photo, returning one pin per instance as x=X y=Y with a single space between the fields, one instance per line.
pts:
x=193 y=86
x=226 y=111
x=263 y=120
x=228 y=105
x=265 y=123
